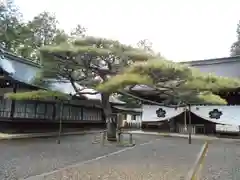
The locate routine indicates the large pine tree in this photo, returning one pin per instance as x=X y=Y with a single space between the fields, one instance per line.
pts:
x=88 y=61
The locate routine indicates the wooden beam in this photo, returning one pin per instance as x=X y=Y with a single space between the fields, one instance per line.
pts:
x=3 y=77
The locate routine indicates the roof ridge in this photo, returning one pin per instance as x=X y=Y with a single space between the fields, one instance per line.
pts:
x=216 y=60
x=15 y=57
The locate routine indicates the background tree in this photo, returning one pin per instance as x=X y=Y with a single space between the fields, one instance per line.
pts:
x=145 y=44
x=235 y=48
x=78 y=32
x=10 y=26
x=25 y=39
x=40 y=31
x=89 y=61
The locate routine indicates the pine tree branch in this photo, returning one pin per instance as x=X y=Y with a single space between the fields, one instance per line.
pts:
x=149 y=101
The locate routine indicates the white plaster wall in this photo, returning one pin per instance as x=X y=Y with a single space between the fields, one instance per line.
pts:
x=223 y=69
x=230 y=116
x=134 y=123
x=129 y=117
x=138 y=118
x=149 y=113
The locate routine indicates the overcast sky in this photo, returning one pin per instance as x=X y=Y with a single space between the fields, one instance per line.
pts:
x=180 y=29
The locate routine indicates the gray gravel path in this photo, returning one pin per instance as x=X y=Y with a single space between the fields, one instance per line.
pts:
x=163 y=159
x=29 y=157
x=222 y=162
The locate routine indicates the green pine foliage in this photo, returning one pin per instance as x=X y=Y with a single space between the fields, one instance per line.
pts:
x=88 y=61
x=38 y=95
x=180 y=82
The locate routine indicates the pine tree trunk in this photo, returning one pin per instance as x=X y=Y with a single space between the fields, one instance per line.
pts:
x=110 y=120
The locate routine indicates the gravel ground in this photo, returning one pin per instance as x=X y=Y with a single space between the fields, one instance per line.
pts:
x=29 y=157
x=222 y=162
x=163 y=159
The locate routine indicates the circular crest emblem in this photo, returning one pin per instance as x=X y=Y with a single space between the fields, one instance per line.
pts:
x=161 y=113
x=215 y=114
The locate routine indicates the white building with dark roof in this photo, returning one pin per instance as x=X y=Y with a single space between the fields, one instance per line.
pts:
x=18 y=75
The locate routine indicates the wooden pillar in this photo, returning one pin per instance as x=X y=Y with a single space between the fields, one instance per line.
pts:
x=54 y=111
x=81 y=113
x=13 y=101
x=239 y=130
x=35 y=109
x=190 y=125
x=60 y=122
x=185 y=119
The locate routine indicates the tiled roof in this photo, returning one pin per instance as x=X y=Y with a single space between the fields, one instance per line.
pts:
x=221 y=60
x=18 y=70
x=25 y=71
x=137 y=110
